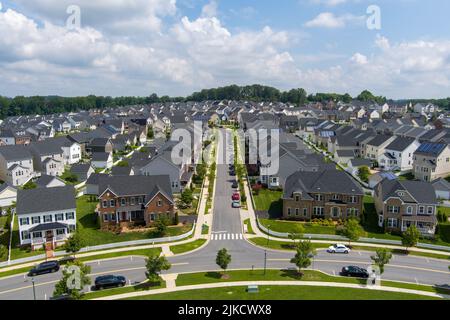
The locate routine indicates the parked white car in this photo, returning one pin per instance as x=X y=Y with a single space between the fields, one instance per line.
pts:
x=338 y=248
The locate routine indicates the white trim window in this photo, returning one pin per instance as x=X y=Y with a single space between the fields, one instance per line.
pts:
x=35 y=220
x=430 y=210
x=393 y=209
x=70 y=216
x=392 y=223
x=26 y=235
x=421 y=210
x=24 y=221
x=112 y=203
x=289 y=211
x=48 y=218
x=409 y=210
x=59 y=217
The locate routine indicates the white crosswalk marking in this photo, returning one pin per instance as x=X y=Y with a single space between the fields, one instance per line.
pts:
x=226 y=236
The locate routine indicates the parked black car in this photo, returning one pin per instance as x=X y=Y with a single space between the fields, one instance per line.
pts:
x=353 y=271
x=109 y=281
x=235 y=185
x=62 y=297
x=232 y=173
x=44 y=267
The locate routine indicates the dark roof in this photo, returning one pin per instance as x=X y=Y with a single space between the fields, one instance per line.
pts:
x=99 y=142
x=95 y=178
x=136 y=185
x=327 y=181
x=44 y=180
x=400 y=144
x=16 y=152
x=379 y=140
x=416 y=191
x=80 y=168
x=46 y=147
x=48 y=226
x=100 y=156
x=120 y=171
x=43 y=200
x=433 y=149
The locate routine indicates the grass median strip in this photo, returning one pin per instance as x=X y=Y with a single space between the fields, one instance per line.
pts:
x=183 y=248
x=284 y=293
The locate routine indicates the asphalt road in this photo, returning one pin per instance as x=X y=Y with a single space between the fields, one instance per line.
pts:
x=227 y=233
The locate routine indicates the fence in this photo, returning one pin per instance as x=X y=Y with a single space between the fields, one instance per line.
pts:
x=341 y=238
x=105 y=247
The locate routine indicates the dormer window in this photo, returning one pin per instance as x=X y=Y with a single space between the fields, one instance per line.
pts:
x=401 y=194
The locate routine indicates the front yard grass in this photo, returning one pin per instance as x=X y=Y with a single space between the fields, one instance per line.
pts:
x=183 y=248
x=284 y=293
x=92 y=235
x=292 y=227
x=268 y=200
x=128 y=289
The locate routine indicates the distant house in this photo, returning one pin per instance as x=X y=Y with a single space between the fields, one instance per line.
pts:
x=83 y=171
x=375 y=148
x=46 y=216
x=122 y=171
x=344 y=156
x=16 y=165
x=401 y=204
x=48 y=158
x=398 y=154
x=102 y=160
x=442 y=189
x=8 y=195
x=330 y=194
x=7 y=137
x=380 y=176
x=353 y=165
x=135 y=199
x=97 y=145
x=92 y=183
x=46 y=181
x=432 y=161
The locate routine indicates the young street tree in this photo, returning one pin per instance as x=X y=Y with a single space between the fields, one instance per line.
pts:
x=75 y=277
x=304 y=255
x=352 y=230
x=297 y=233
x=223 y=259
x=74 y=244
x=381 y=258
x=363 y=173
x=410 y=237
x=155 y=265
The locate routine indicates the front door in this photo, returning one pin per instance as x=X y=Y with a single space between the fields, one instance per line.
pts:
x=124 y=216
x=49 y=234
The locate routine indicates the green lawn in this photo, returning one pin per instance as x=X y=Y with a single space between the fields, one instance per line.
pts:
x=284 y=293
x=292 y=227
x=249 y=226
x=110 y=292
x=92 y=235
x=205 y=229
x=268 y=200
x=182 y=248
x=258 y=275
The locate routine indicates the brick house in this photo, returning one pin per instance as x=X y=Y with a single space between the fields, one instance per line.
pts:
x=327 y=194
x=134 y=200
x=400 y=204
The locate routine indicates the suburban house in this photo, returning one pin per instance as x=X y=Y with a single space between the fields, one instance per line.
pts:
x=432 y=161
x=16 y=165
x=375 y=148
x=82 y=170
x=140 y=200
x=46 y=181
x=353 y=165
x=7 y=137
x=401 y=204
x=398 y=155
x=93 y=182
x=46 y=216
x=100 y=145
x=47 y=158
x=442 y=189
x=330 y=194
x=8 y=195
x=102 y=160
x=71 y=150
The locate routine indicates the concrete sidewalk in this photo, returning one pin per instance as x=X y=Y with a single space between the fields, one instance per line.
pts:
x=272 y=283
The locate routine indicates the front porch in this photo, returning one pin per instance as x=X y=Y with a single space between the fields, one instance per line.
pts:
x=425 y=224
x=51 y=235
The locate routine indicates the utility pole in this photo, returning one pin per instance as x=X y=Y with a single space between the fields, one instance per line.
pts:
x=34 y=290
x=265 y=261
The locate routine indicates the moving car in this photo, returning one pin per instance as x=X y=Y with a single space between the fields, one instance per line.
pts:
x=236 y=197
x=109 y=281
x=353 y=271
x=338 y=248
x=44 y=267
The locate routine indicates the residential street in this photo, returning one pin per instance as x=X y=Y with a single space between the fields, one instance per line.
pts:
x=227 y=233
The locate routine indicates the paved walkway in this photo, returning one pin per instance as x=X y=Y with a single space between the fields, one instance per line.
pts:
x=271 y=283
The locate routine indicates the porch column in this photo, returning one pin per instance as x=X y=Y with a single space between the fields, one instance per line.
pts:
x=129 y=214
x=117 y=217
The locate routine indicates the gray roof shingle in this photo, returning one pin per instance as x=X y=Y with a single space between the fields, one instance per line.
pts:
x=45 y=200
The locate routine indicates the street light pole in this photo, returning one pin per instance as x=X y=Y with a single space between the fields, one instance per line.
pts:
x=268 y=234
x=34 y=290
x=265 y=261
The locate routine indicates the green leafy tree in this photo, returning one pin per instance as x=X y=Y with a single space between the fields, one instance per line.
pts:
x=74 y=243
x=3 y=252
x=155 y=265
x=71 y=178
x=297 y=232
x=176 y=219
x=410 y=237
x=352 y=230
x=161 y=225
x=187 y=197
x=364 y=173
x=72 y=282
x=381 y=258
x=30 y=185
x=223 y=259
x=150 y=133
x=303 y=257
x=123 y=164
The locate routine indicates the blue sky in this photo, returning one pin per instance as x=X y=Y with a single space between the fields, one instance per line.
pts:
x=176 y=47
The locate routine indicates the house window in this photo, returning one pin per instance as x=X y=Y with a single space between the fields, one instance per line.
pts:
x=409 y=210
x=430 y=210
x=318 y=197
x=70 y=216
x=112 y=203
x=297 y=212
x=392 y=223
x=159 y=203
x=305 y=212
x=59 y=217
x=352 y=212
x=288 y=211
x=24 y=221
x=353 y=199
x=37 y=234
x=393 y=209
x=25 y=235
x=380 y=220
x=318 y=211
x=60 y=232
x=35 y=220
x=335 y=197
x=133 y=201
x=335 y=212
x=297 y=198
x=105 y=204
x=48 y=218
x=140 y=200
x=421 y=210
x=123 y=202
x=72 y=227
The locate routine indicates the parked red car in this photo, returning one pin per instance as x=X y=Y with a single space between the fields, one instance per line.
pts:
x=236 y=197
